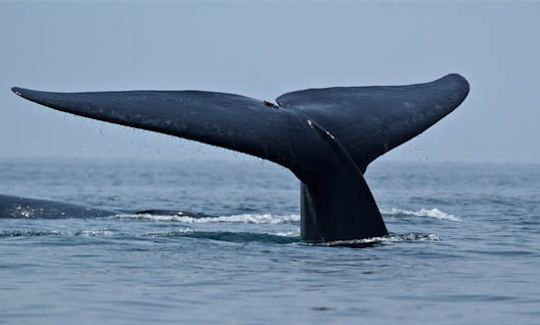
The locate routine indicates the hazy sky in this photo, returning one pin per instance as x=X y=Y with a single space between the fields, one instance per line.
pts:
x=263 y=50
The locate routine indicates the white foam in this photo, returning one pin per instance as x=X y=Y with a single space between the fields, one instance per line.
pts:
x=430 y=213
x=180 y=231
x=287 y=234
x=94 y=233
x=393 y=238
x=272 y=219
x=33 y=233
x=240 y=218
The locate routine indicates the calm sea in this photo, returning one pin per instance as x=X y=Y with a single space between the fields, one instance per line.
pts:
x=464 y=247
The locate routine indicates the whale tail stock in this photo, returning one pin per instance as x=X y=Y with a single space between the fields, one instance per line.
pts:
x=326 y=137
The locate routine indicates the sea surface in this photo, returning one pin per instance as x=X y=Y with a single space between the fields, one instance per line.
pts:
x=464 y=247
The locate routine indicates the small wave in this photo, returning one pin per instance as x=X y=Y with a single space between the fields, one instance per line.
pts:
x=94 y=233
x=275 y=219
x=293 y=238
x=227 y=236
x=287 y=234
x=430 y=213
x=240 y=218
x=176 y=233
x=28 y=233
x=367 y=242
x=38 y=233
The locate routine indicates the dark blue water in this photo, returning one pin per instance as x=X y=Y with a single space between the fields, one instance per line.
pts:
x=464 y=248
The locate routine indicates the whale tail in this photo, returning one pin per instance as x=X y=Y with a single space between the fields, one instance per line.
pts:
x=326 y=137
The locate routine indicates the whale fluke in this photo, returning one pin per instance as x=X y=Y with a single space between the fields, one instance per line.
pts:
x=370 y=121
x=326 y=137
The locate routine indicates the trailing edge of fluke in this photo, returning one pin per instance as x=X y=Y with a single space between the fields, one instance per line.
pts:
x=326 y=137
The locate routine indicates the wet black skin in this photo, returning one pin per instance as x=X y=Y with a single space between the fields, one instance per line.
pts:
x=326 y=137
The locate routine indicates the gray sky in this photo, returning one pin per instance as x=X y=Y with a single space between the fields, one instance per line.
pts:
x=263 y=50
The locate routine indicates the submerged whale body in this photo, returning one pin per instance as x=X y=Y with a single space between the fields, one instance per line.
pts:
x=18 y=207
x=14 y=207
x=326 y=137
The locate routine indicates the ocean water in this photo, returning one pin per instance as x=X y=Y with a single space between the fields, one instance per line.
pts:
x=464 y=247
